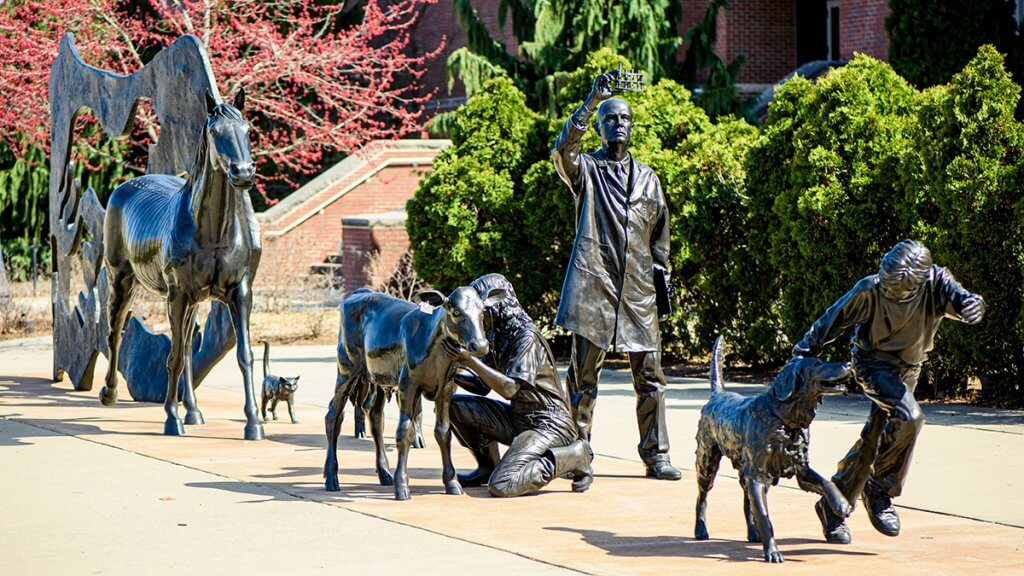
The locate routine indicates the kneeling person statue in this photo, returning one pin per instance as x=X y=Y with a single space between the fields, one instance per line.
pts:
x=896 y=314
x=535 y=423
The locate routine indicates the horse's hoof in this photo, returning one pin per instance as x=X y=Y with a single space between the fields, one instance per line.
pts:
x=194 y=418
x=254 y=432
x=419 y=442
x=173 y=427
x=453 y=489
x=108 y=396
x=700 y=532
x=401 y=492
x=332 y=484
x=385 y=478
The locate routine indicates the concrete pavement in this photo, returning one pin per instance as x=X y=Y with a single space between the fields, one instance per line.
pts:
x=100 y=490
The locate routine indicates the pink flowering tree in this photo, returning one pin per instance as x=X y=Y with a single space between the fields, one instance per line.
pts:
x=320 y=76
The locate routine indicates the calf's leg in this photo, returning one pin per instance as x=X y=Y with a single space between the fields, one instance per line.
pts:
x=409 y=399
x=443 y=435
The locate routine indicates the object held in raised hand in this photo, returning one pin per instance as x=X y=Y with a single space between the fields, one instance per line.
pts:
x=626 y=80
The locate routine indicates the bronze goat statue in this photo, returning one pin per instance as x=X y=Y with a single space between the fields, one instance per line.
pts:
x=394 y=344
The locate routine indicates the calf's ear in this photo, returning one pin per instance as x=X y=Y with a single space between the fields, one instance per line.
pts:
x=495 y=296
x=429 y=298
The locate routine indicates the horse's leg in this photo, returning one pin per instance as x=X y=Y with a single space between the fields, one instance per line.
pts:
x=240 y=303
x=443 y=435
x=409 y=400
x=177 y=314
x=193 y=417
x=122 y=288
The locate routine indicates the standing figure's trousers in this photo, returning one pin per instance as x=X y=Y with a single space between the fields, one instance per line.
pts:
x=879 y=461
x=648 y=383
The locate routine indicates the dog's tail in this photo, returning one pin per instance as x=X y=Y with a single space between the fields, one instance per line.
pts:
x=717 y=359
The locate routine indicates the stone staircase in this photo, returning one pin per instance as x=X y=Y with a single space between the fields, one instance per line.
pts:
x=330 y=268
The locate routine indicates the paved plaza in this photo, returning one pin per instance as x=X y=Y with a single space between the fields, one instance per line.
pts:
x=94 y=490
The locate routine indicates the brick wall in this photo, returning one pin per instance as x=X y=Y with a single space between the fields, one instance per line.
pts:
x=438 y=21
x=360 y=240
x=764 y=31
x=862 y=28
x=289 y=256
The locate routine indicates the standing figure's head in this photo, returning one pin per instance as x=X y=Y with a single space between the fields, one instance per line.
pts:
x=614 y=123
x=904 y=270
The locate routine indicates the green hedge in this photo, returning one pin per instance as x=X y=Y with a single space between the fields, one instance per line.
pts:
x=822 y=176
x=969 y=198
x=930 y=41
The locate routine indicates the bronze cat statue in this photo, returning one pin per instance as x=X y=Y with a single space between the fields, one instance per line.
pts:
x=277 y=388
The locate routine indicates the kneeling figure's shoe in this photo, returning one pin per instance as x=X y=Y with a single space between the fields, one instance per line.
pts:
x=832 y=525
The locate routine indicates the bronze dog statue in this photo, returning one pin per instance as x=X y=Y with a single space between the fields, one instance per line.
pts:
x=766 y=438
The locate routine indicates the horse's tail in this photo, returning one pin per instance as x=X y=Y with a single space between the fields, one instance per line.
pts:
x=715 y=374
x=266 y=358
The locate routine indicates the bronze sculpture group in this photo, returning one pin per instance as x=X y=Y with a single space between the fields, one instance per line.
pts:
x=195 y=238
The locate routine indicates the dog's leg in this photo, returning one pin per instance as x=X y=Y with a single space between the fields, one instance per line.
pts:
x=752 y=534
x=811 y=481
x=709 y=456
x=757 y=491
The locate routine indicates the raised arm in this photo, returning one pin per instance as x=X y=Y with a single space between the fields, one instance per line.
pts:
x=959 y=303
x=852 y=309
x=566 y=153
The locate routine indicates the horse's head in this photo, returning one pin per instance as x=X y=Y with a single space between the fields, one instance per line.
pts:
x=227 y=139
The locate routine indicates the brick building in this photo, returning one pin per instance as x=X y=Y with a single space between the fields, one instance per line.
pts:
x=304 y=234
x=775 y=36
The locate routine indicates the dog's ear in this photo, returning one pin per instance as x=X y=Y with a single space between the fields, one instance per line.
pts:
x=786 y=382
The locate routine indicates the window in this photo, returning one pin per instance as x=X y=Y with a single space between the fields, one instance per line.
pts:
x=832 y=29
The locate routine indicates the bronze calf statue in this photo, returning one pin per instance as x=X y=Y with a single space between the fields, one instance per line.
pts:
x=394 y=343
x=766 y=438
x=188 y=241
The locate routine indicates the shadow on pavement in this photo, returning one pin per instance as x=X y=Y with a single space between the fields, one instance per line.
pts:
x=684 y=547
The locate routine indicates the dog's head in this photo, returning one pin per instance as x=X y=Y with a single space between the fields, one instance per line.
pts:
x=802 y=382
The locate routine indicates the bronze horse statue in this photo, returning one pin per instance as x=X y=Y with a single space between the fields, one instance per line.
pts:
x=188 y=240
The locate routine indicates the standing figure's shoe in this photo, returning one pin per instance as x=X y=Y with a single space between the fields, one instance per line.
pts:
x=882 y=513
x=663 y=470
